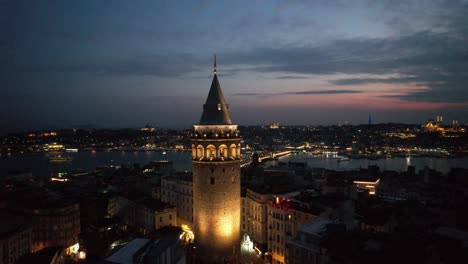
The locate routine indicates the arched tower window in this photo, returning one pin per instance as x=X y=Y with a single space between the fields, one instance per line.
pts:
x=200 y=151
x=223 y=151
x=238 y=150
x=211 y=152
x=233 y=150
x=194 y=151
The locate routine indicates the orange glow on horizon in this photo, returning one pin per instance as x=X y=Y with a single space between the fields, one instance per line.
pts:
x=374 y=96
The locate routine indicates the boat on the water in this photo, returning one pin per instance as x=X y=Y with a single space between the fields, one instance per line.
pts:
x=71 y=150
x=343 y=159
x=60 y=158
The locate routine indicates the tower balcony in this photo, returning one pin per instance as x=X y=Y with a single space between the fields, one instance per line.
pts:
x=196 y=135
x=215 y=131
x=215 y=159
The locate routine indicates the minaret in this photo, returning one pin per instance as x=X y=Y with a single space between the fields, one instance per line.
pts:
x=216 y=181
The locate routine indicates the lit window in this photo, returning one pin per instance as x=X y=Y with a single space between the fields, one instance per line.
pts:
x=219 y=107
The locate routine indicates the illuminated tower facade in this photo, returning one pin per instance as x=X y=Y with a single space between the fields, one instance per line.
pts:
x=216 y=181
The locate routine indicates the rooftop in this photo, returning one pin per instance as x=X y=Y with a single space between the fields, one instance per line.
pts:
x=166 y=237
x=140 y=248
x=316 y=227
x=290 y=205
x=126 y=253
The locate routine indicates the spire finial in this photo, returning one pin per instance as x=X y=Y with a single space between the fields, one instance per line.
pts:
x=215 y=71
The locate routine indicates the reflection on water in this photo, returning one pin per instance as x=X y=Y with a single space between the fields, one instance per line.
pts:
x=395 y=164
x=39 y=164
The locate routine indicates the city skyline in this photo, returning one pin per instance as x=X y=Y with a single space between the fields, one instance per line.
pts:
x=93 y=64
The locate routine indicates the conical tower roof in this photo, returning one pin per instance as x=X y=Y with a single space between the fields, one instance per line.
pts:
x=215 y=109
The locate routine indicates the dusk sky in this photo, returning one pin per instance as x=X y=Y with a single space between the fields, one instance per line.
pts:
x=114 y=64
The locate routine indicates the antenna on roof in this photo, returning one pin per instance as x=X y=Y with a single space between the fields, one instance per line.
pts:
x=215 y=71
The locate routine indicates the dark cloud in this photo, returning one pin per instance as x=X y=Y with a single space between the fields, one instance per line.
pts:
x=326 y=92
x=248 y=94
x=154 y=65
x=436 y=60
x=358 y=81
x=291 y=77
x=302 y=93
x=45 y=43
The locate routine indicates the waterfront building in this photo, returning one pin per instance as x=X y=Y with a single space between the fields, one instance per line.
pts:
x=216 y=180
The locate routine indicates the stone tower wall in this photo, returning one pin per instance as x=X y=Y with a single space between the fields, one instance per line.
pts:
x=217 y=205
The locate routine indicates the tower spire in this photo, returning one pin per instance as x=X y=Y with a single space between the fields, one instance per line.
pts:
x=215 y=71
x=215 y=109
